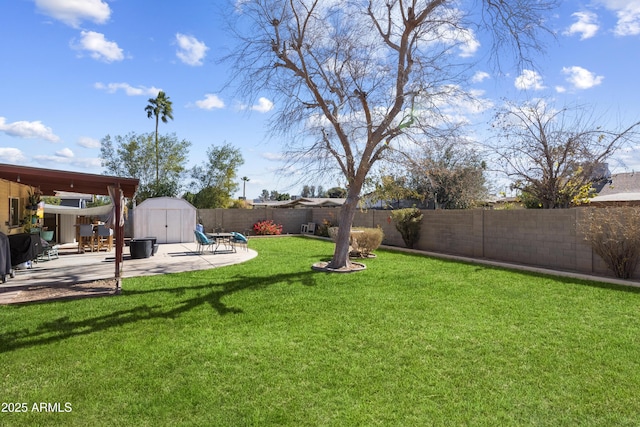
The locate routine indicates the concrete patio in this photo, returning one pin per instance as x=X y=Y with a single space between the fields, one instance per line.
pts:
x=91 y=273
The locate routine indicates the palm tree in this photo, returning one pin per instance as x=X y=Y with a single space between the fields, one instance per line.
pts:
x=244 y=186
x=160 y=108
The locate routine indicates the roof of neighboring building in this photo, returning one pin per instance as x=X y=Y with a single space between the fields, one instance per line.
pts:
x=621 y=183
x=307 y=202
x=617 y=197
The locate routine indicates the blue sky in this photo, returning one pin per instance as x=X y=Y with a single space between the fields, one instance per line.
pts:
x=74 y=71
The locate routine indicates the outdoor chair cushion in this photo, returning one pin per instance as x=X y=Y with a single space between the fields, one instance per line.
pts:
x=239 y=236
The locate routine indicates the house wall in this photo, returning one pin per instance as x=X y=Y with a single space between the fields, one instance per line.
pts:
x=536 y=237
x=12 y=189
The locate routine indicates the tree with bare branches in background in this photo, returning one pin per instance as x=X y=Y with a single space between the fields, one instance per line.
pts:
x=354 y=80
x=554 y=155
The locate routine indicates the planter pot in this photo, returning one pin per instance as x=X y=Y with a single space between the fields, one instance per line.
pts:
x=154 y=245
x=140 y=248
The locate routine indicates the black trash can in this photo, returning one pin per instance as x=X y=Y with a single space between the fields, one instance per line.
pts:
x=140 y=248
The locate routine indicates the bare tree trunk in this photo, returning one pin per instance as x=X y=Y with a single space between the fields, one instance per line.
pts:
x=345 y=220
x=157 y=157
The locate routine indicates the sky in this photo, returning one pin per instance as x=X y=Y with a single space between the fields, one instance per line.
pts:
x=74 y=71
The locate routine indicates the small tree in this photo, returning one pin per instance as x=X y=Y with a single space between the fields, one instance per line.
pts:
x=450 y=173
x=408 y=224
x=214 y=180
x=554 y=154
x=614 y=234
x=391 y=190
x=133 y=155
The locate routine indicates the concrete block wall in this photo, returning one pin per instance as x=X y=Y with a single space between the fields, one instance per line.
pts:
x=242 y=220
x=449 y=232
x=544 y=238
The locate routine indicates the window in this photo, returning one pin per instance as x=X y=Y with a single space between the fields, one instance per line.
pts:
x=14 y=212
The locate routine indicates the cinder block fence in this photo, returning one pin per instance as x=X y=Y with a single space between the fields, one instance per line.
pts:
x=542 y=238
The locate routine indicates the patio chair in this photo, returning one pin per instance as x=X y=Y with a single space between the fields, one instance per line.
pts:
x=104 y=236
x=239 y=239
x=49 y=252
x=87 y=237
x=311 y=228
x=308 y=228
x=203 y=241
x=47 y=235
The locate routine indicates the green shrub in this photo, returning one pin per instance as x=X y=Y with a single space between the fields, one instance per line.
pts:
x=362 y=241
x=267 y=227
x=614 y=234
x=408 y=224
x=365 y=240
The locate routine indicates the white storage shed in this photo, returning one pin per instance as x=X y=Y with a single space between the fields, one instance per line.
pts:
x=168 y=219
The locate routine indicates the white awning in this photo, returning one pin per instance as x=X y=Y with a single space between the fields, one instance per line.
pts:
x=68 y=210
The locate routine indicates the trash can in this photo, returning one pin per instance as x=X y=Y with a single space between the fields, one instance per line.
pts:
x=140 y=248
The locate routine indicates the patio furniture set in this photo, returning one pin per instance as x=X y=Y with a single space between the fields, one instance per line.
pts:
x=219 y=242
x=95 y=237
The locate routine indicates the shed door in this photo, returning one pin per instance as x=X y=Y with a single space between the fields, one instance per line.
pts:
x=173 y=226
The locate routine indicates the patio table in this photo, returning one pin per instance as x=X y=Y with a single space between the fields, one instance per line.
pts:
x=222 y=239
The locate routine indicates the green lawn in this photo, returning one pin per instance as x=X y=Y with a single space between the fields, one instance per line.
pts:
x=409 y=341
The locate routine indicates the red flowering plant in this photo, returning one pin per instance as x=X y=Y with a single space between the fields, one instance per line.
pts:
x=267 y=227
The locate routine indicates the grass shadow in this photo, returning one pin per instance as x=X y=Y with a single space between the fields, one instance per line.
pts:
x=63 y=328
x=592 y=281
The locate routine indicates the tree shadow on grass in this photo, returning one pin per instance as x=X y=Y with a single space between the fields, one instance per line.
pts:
x=63 y=328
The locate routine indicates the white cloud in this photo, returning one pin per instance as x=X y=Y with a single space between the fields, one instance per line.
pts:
x=480 y=76
x=529 y=79
x=12 y=155
x=89 y=163
x=128 y=89
x=191 y=51
x=581 y=78
x=66 y=153
x=24 y=129
x=88 y=142
x=98 y=47
x=470 y=43
x=628 y=13
x=263 y=105
x=73 y=12
x=586 y=25
x=210 y=102
x=561 y=89
x=275 y=157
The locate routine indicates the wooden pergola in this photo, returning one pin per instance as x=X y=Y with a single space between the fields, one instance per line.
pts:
x=48 y=181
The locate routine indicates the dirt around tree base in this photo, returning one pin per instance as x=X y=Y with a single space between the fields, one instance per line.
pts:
x=324 y=266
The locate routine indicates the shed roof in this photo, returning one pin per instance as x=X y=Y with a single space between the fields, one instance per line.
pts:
x=165 y=202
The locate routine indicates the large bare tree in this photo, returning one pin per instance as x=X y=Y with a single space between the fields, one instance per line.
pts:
x=351 y=78
x=554 y=154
